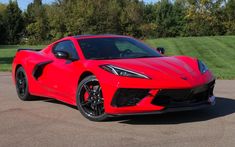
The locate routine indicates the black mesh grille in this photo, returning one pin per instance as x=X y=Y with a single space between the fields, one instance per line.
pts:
x=184 y=97
x=128 y=97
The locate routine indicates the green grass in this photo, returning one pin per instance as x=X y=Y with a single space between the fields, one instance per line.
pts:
x=7 y=52
x=217 y=52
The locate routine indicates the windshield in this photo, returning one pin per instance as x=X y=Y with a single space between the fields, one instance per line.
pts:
x=115 y=48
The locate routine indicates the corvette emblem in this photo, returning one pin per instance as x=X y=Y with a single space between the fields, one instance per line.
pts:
x=184 y=78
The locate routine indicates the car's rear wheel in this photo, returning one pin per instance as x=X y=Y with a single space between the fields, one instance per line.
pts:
x=22 y=87
x=90 y=99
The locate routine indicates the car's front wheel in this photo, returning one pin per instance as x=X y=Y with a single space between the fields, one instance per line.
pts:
x=90 y=99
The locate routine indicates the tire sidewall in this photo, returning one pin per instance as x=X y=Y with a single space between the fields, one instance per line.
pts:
x=26 y=95
x=92 y=118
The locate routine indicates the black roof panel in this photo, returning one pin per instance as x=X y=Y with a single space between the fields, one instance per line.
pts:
x=90 y=35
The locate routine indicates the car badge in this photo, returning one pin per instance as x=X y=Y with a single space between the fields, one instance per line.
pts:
x=184 y=78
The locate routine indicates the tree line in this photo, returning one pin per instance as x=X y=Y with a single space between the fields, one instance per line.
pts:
x=41 y=23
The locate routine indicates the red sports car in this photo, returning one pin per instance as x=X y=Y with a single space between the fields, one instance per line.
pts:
x=109 y=75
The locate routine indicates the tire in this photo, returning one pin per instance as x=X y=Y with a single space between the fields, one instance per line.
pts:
x=22 y=86
x=90 y=101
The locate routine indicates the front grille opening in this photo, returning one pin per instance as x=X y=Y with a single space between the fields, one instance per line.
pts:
x=169 y=100
x=128 y=97
x=184 y=97
x=162 y=100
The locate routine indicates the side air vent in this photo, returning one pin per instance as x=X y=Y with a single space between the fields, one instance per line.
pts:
x=38 y=69
x=128 y=97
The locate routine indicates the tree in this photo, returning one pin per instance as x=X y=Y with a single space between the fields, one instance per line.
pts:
x=149 y=14
x=179 y=12
x=2 y=8
x=92 y=17
x=13 y=23
x=165 y=19
x=148 y=27
x=230 y=15
x=36 y=22
x=56 y=21
x=2 y=27
x=131 y=17
x=204 y=18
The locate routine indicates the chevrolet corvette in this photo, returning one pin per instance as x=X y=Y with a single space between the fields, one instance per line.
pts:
x=112 y=75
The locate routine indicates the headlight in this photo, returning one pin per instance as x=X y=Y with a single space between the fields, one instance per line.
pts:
x=123 y=72
x=202 y=66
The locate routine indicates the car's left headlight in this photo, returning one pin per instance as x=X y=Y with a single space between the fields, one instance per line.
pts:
x=202 y=66
x=123 y=72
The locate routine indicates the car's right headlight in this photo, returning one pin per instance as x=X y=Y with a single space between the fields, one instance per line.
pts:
x=123 y=72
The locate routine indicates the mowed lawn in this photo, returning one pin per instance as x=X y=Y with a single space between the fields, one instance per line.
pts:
x=218 y=52
x=7 y=52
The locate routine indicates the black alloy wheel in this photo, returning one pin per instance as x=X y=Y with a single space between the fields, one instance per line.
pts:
x=90 y=100
x=22 y=84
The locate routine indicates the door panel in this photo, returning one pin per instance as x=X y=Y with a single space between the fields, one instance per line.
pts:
x=60 y=77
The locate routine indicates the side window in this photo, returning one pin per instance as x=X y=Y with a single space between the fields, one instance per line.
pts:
x=66 y=46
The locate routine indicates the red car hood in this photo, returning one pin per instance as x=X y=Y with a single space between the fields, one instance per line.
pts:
x=175 y=68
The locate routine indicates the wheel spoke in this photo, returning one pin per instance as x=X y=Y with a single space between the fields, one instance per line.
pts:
x=93 y=110
x=21 y=83
x=94 y=105
x=85 y=103
x=98 y=90
x=23 y=90
x=99 y=109
x=87 y=88
x=96 y=110
x=21 y=75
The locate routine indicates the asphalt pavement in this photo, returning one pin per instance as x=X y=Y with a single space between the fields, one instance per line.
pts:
x=47 y=122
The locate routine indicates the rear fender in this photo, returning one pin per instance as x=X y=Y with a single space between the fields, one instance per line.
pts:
x=33 y=64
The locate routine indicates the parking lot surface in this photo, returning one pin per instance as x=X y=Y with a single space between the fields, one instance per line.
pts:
x=47 y=122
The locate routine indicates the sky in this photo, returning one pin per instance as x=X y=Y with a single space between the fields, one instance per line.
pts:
x=23 y=3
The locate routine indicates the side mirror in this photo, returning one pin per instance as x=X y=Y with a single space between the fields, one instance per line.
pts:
x=161 y=50
x=61 y=55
